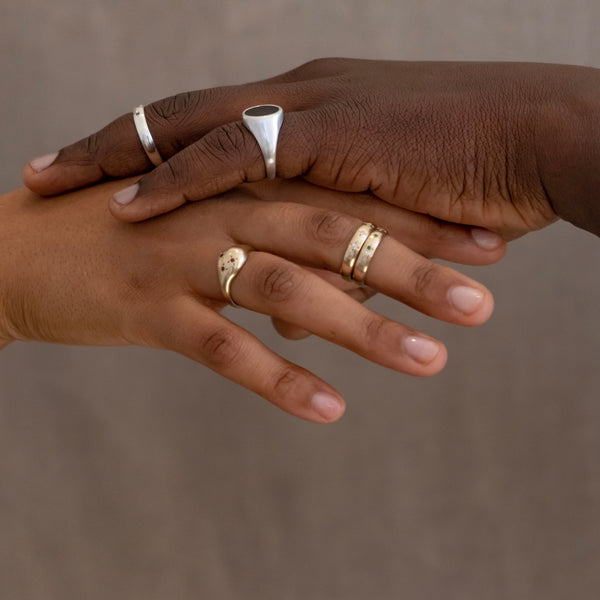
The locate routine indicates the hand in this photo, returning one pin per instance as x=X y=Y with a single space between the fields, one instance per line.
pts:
x=72 y=274
x=495 y=145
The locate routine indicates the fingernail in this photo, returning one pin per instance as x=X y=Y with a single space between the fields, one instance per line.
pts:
x=488 y=240
x=43 y=162
x=328 y=406
x=127 y=195
x=465 y=299
x=421 y=349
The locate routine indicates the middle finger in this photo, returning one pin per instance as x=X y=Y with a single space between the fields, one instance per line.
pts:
x=319 y=238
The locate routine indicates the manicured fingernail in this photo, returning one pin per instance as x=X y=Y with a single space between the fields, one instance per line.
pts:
x=43 y=162
x=465 y=299
x=488 y=240
x=421 y=349
x=328 y=406
x=127 y=195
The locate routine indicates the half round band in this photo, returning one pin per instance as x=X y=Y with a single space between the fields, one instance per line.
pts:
x=141 y=126
x=359 y=274
x=354 y=247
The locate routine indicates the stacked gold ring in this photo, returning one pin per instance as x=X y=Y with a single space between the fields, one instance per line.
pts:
x=356 y=243
x=360 y=251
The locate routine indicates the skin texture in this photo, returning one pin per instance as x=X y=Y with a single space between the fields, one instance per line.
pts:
x=506 y=146
x=73 y=274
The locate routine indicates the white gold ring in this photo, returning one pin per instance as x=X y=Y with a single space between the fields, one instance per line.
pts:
x=139 y=118
x=264 y=122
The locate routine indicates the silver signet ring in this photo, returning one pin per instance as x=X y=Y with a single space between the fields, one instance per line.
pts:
x=264 y=122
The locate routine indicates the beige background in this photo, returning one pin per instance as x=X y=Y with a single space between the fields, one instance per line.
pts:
x=128 y=473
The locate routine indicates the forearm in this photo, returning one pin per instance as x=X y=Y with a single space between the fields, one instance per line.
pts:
x=568 y=146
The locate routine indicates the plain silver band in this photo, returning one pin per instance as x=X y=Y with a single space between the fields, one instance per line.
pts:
x=139 y=118
x=265 y=130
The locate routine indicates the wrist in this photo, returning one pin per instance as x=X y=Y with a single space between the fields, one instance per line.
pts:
x=5 y=336
x=568 y=146
x=12 y=263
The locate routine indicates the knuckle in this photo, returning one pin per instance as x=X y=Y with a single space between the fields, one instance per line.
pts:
x=109 y=148
x=328 y=228
x=307 y=70
x=91 y=144
x=231 y=140
x=348 y=113
x=167 y=175
x=287 y=382
x=85 y=151
x=138 y=282
x=220 y=348
x=180 y=120
x=423 y=278
x=315 y=65
x=321 y=67
x=309 y=133
x=177 y=108
x=278 y=283
x=374 y=329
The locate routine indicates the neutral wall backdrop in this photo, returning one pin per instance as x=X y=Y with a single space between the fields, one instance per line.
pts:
x=130 y=473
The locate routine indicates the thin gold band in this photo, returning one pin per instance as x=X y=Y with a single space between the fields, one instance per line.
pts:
x=354 y=247
x=359 y=273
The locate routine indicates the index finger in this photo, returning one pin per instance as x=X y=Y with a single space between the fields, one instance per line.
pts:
x=115 y=151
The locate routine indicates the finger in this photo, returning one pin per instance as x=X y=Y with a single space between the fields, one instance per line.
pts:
x=289 y=330
x=116 y=151
x=319 y=238
x=360 y=294
x=426 y=235
x=175 y=122
x=224 y=158
x=274 y=286
x=293 y=332
x=208 y=338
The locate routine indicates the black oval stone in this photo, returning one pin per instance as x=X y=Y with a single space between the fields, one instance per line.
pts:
x=261 y=111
